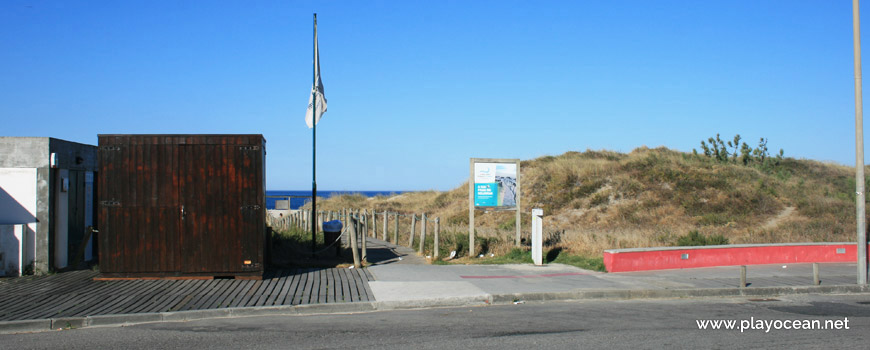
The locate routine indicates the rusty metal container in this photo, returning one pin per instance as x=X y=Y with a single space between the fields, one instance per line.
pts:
x=181 y=205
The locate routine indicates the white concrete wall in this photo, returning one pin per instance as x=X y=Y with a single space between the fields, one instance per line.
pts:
x=18 y=199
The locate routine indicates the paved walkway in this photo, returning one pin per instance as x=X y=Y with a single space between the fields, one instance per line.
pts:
x=383 y=253
x=419 y=283
x=396 y=278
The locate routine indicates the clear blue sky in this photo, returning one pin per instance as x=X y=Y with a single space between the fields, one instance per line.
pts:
x=415 y=88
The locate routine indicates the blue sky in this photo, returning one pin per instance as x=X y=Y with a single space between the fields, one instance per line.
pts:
x=415 y=88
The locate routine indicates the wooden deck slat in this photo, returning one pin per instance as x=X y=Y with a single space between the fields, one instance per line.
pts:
x=154 y=295
x=310 y=294
x=211 y=293
x=187 y=294
x=54 y=283
x=243 y=288
x=251 y=293
x=270 y=288
x=354 y=292
x=286 y=289
x=197 y=294
x=256 y=294
x=41 y=302
x=174 y=295
x=360 y=284
x=147 y=294
x=345 y=285
x=125 y=288
x=296 y=299
x=364 y=280
x=34 y=302
x=351 y=285
x=82 y=303
x=292 y=288
x=118 y=306
x=332 y=280
x=76 y=294
x=133 y=289
x=218 y=301
x=110 y=296
x=306 y=288
x=53 y=310
x=321 y=289
x=270 y=300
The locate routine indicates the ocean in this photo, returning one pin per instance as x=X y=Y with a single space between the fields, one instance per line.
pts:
x=295 y=203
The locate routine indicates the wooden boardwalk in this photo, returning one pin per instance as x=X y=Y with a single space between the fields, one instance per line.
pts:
x=75 y=293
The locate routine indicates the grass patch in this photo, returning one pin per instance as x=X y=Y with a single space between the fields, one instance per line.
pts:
x=583 y=262
x=695 y=238
x=524 y=256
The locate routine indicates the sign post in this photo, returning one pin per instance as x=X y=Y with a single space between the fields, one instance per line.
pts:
x=493 y=184
x=538 y=236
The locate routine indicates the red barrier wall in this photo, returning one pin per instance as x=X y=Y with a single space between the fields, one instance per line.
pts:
x=641 y=259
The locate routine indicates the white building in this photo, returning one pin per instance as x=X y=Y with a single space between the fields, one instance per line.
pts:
x=46 y=203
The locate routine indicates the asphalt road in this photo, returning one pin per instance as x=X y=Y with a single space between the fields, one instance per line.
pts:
x=636 y=324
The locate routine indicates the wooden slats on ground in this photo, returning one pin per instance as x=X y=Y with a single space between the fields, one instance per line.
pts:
x=75 y=293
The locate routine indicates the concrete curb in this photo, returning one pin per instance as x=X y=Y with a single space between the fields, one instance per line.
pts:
x=28 y=326
x=622 y=294
x=481 y=300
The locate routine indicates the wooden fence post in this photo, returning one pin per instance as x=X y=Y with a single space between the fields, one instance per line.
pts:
x=353 y=247
x=396 y=234
x=364 y=234
x=386 y=218
x=423 y=235
x=437 y=233
x=413 y=230
x=374 y=223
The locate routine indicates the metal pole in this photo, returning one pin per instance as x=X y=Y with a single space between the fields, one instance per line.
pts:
x=859 y=149
x=518 y=220
x=314 y=144
x=471 y=208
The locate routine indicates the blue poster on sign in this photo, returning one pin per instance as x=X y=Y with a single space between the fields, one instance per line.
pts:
x=495 y=185
x=485 y=194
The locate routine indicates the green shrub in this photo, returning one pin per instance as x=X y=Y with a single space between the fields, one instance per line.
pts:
x=695 y=238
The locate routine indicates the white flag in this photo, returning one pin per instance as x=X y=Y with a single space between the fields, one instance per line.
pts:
x=316 y=102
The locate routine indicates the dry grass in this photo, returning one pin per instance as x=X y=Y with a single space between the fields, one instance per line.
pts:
x=598 y=200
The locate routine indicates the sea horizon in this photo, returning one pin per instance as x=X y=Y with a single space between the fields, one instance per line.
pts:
x=295 y=203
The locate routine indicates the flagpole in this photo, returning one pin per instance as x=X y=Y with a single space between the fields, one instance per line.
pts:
x=313 y=217
x=859 y=149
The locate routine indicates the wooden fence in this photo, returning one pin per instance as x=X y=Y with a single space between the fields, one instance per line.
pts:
x=394 y=227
